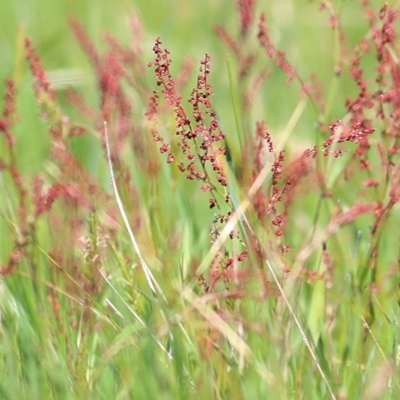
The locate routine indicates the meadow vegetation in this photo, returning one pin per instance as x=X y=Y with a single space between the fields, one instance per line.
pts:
x=208 y=212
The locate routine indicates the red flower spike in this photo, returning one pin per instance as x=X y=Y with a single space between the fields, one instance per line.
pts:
x=242 y=256
x=38 y=72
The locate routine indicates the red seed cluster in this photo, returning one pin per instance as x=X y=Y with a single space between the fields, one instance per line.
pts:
x=355 y=135
x=41 y=81
x=7 y=119
x=246 y=9
x=197 y=147
x=200 y=138
x=277 y=56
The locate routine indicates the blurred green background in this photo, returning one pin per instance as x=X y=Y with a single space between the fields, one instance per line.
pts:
x=186 y=28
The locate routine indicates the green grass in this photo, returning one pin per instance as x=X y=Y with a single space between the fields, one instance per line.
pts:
x=79 y=318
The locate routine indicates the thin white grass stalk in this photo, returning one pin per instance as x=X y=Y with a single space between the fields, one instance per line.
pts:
x=285 y=134
x=301 y=330
x=241 y=362
x=149 y=276
x=240 y=211
x=244 y=205
x=154 y=286
x=110 y=303
x=134 y=313
x=387 y=362
x=392 y=53
x=200 y=304
x=63 y=292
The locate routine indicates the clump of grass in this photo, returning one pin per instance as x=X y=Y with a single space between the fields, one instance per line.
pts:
x=248 y=264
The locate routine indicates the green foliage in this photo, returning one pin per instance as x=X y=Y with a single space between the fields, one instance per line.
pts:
x=269 y=268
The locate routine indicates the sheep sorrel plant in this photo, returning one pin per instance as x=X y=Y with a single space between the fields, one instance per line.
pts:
x=222 y=228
